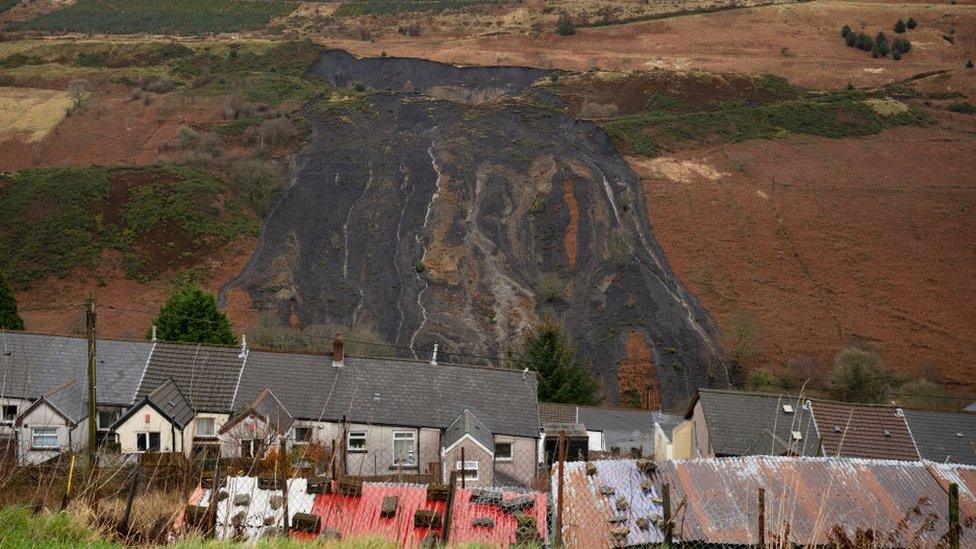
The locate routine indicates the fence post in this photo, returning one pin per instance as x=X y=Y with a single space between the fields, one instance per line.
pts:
x=954 y=516
x=212 y=503
x=449 y=507
x=561 y=456
x=666 y=502
x=67 y=490
x=284 y=484
x=128 y=504
x=762 y=517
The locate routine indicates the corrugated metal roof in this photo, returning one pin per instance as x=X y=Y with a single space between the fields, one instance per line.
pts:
x=863 y=431
x=504 y=530
x=900 y=501
x=965 y=477
x=360 y=516
x=586 y=511
x=944 y=436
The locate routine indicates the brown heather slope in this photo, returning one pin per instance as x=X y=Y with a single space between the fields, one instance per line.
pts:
x=806 y=244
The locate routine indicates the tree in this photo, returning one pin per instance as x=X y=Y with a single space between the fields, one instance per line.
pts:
x=912 y=23
x=9 y=319
x=562 y=377
x=881 y=43
x=900 y=26
x=79 y=89
x=846 y=31
x=565 y=25
x=859 y=375
x=863 y=42
x=850 y=39
x=191 y=315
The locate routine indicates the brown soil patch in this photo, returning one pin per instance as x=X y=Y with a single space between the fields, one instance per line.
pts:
x=112 y=129
x=827 y=242
x=126 y=307
x=636 y=375
x=571 y=239
x=800 y=42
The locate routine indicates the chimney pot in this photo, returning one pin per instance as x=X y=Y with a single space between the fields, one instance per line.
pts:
x=338 y=351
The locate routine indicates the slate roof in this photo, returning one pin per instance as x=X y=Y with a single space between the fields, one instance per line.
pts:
x=206 y=375
x=396 y=392
x=68 y=399
x=468 y=424
x=266 y=406
x=742 y=424
x=169 y=400
x=620 y=420
x=863 y=430
x=550 y=412
x=34 y=364
x=944 y=437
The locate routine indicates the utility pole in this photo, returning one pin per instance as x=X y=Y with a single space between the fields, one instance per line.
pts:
x=92 y=391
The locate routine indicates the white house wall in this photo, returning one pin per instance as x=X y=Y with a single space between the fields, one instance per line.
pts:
x=147 y=419
x=68 y=439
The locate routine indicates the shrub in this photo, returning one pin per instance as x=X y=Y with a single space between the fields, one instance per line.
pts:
x=900 y=45
x=564 y=27
x=859 y=375
x=159 y=85
x=850 y=39
x=846 y=31
x=257 y=184
x=863 y=42
x=763 y=380
x=881 y=43
x=276 y=132
x=896 y=56
x=413 y=29
x=969 y=64
x=900 y=26
x=188 y=137
x=965 y=108
x=912 y=23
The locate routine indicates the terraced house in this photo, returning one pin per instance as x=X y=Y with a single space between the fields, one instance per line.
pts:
x=383 y=416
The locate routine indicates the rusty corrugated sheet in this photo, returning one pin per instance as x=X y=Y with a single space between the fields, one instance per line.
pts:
x=716 y=500
x=586 y=511
x=965 y=477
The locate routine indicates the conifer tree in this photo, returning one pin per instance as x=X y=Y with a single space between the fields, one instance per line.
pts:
x=9 y=319
x=191 y=315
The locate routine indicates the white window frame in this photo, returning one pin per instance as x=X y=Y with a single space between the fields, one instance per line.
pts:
x=511 y=450
x=3 y=418
x=311 y=434
x=50 y=432
x=402 y=436
x=469 y=467
x=204 y=421
x=360 y=438
x=148 y=438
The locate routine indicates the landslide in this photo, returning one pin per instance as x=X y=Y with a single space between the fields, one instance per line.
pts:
x=462 y=218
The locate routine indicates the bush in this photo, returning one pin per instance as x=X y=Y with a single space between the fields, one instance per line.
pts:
x=188 y=137
x=900 y=26
x=881 y=43
x=257 y=184
x=850 y=39
x=969 y=64
x=564 y=27
x=159 y=85
x=846 y=31
x=896 y=56
x=859 y=375
x=276 y=132
x=763 y=380
x=900 y=45
x=965 y=108
x=863 y=42
x=912 y=23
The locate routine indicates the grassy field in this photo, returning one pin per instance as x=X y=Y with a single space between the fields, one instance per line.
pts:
x=179 y=17
x=837 y=116
x=31 y=111
x=392 y=7
x=270 y=72
x=53 y=220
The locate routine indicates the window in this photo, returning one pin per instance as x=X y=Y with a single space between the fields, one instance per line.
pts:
x=470 y=470
x=106 y=418
x=357 y=441
x=147 y=442
x=503 y=451
x=303 y=434
x=44 y=437
x=205 y=427
x=404 y=448
x=251 y=447
x=9 y=413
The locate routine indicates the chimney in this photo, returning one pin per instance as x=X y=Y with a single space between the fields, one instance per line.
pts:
x=154 y=332
x=243 y=353
x=338 y=352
